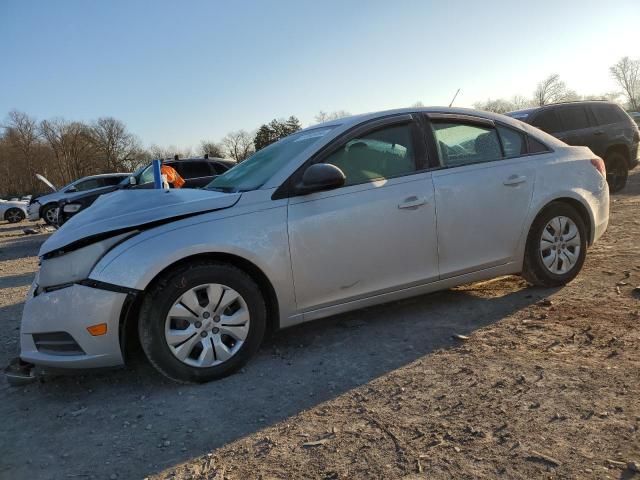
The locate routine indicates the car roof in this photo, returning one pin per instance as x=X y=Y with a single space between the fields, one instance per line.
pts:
x=528 y=111
x=357 y=119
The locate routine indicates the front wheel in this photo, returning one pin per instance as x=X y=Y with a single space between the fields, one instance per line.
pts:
x=202 y=321
x=556 y=246
x=50 y=214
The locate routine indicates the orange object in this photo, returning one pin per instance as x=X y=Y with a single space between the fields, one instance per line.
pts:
x=97 y=330
x=173 y=177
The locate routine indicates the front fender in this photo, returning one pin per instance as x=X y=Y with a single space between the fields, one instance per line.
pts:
x=259 y=237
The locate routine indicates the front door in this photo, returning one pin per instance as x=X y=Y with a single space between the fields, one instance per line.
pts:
x=375 y=234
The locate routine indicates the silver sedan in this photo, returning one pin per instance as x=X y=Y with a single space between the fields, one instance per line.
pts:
x=339 y=216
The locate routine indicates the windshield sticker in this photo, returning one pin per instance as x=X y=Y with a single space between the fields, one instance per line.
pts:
x=313 y=134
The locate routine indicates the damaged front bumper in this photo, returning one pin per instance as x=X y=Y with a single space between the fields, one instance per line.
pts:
x=54 y=331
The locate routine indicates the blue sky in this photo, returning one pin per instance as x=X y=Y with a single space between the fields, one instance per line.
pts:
x=178 y=72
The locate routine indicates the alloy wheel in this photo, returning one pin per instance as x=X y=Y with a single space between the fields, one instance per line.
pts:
x=14 y=216
x=560 y=245
x=207 y=325
x=51 y=215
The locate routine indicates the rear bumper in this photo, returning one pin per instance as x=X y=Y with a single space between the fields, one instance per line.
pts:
x=65 y=315
x=600 y=212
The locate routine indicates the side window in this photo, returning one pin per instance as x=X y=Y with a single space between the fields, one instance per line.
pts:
x=88 y=185
x=535 y=146
x=513 y=142
x=573 y=117
x=606 y=114
x=464 y=144
x=547 y=121
x=108 y=181
x=192 y=169
x=384 y=153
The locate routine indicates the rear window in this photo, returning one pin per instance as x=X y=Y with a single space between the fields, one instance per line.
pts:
x=607 y=114
x=513 y=142
x=573 y=117
x=548 y=121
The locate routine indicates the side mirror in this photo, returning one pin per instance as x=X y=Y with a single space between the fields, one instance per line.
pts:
x=319 y=177
x=132 y=180
x=72 y=189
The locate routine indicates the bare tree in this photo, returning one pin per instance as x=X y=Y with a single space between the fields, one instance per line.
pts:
x=72 y=146
x=499 y=105
x=418 y=104
x=627 y=73
x=550 y=90
x=519 y=102
x=328 y=117
x=23 y=135
x=213 y=149
x=115 y=146
x=238 y=145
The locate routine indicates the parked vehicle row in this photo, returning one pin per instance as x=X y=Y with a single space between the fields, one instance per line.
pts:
x=196 y=172
x=46 y=206
x=602 y=126
x=350 y=213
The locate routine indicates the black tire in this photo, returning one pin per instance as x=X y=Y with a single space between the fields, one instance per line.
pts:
x=617 y=171
x=534 y=270
x=160 y=298
x=14 y=215
x=47 y=213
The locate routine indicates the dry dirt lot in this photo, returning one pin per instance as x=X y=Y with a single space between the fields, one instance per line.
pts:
x=547 y=385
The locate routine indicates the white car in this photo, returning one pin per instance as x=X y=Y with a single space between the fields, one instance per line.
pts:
x=344 y=215
x=13 y=211
x=46 y=206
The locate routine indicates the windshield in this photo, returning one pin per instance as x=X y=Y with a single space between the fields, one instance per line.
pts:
x=142 y=175
x=262 y=165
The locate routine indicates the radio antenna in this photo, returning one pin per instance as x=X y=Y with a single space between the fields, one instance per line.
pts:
x=454 y=98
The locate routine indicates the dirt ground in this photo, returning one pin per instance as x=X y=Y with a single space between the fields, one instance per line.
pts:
x=543 y=384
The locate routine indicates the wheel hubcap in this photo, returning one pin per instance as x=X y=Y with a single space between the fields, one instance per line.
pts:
x=14 y=216
x=51 y=215
x=560 y=245
x=192 y=332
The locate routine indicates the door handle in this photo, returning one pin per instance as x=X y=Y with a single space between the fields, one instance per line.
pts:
x=514 y=180
x=413 y=202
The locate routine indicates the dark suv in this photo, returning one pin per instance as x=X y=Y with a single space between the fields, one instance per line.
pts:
x=196 y=172
x=602 y=126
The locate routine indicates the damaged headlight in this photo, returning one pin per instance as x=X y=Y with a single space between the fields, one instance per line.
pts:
x=76 y=265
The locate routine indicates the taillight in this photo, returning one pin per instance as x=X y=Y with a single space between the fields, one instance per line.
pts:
x=599 y=165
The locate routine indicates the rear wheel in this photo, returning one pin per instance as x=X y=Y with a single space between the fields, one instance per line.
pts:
x=202 y=322
x=14 y=215
x=617 y=171
x=556 y=246
x=50 y=214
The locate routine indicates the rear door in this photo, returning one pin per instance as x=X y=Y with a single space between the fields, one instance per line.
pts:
x=611 y=129
x=577 y=127
x=483 y=192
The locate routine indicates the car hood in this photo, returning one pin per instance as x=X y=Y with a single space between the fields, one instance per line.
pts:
x=128 y=209
x=46 y=182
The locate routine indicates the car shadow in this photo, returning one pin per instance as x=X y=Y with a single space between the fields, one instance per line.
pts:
x=141 y=423
x=13 y=281
x=16 y=247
